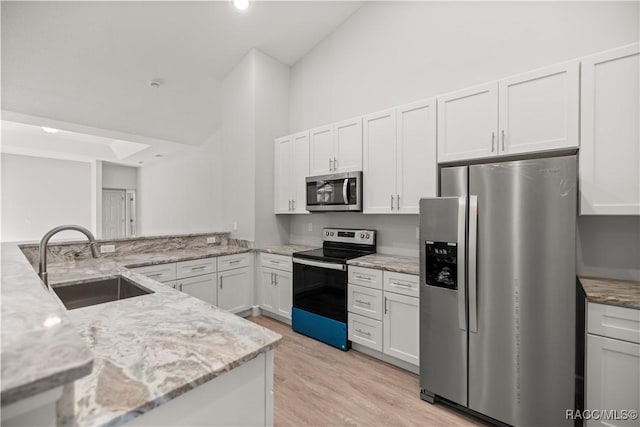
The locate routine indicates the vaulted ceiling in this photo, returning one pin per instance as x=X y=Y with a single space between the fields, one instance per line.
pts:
x=90 y=63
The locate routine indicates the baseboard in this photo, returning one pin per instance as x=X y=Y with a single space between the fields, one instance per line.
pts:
x=386 y=358
x=266 y=313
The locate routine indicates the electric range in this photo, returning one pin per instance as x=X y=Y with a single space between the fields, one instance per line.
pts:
x=320 y=284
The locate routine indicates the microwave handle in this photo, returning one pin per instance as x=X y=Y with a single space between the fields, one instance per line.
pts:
x=345 y=191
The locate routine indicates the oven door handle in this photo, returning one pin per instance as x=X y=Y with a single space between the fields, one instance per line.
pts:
x=320 y=264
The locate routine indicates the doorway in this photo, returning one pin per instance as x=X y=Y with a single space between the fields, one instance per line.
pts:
x=118 y=213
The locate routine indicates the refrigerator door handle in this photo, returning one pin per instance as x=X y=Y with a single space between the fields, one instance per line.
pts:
x=472 y=263
x=462 y=232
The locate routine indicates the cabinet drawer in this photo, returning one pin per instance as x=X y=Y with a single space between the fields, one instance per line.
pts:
x=401 y=283
x=159 y=272
x=279 y=262
x=196 y=267
x=365 y=301
x=365 y=277
x=614 y=322
x=230 y=262
x=365 y=331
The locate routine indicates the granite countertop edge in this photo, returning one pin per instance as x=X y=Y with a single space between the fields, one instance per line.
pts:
x=614 y=292
x=392 y=263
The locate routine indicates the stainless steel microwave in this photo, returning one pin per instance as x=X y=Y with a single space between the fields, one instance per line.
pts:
x=334 y=193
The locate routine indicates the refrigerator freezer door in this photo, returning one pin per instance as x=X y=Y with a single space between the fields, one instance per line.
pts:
x=521 y=359
x=443 y=324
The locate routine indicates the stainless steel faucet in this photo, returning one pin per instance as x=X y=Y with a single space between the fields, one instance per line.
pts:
x=42 y=267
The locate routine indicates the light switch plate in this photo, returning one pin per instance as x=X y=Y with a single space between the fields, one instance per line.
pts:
x=310 y=227
x=211 y=240
x=107 y=249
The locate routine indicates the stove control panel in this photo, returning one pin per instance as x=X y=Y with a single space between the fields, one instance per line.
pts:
x=365 y=237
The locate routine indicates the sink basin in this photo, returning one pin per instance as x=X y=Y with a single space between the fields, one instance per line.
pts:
x=98 y=292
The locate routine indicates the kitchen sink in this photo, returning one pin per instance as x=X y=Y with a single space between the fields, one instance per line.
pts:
x=98 y=292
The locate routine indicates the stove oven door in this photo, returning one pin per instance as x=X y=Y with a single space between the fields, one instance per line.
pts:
x=320 y=288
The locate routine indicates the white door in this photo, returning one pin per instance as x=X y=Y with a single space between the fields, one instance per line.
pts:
x=202 y=287
x=610 y=148
x=417 y=166
x=379 y=162
x=321 y=151
x=234 y=290
x=612 y=378
x=348 y=145
x=282 y=174
x=539 y=110
x=468 y=123
x=284 y=292
x=267 y=289
x=113 y=213
x=300 y=167
x=401 y=337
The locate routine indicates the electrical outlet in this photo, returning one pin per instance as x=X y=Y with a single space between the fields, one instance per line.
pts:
x=417 y=232
x=310 y=226
x=235 y=225
x=107 y=249
x=211 y=240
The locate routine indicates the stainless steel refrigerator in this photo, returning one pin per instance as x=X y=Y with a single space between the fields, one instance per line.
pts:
x=497 y=294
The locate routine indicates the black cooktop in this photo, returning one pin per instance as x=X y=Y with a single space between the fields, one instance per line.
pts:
x=331 y=254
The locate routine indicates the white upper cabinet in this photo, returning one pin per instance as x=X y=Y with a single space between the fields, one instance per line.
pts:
x=610 y=146
x=336 y=148
x=399 y=158
x=468 y=123
x=379 y=165
x=348 y=146
x=291 y=169
x=417 y=168
x=321 y=151
x=539 y=110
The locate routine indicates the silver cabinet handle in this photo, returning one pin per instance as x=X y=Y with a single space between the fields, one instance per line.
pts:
x=180 y=286
x=235 y=261
x=397 y=202
x=357 y=276
x=200 y=267
x=335 y=164
x=392 y=202
x=493 y=141
x=330 y=164
x=406 y=285
x=154 y=275
x=272 y=279
x=275 y=279
x=293 y=205
x=363 y=302
x=360 y=331
x=502 y=139
x=221 y=277
x=385 y=305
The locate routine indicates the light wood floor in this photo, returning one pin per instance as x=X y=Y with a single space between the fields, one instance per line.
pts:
x=316 y=384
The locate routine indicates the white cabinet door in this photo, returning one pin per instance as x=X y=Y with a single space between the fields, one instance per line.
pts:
x=234 y=290
x=321 y=151
x=539 y=110
x=610 y=148
x=401 y=337
x=282 y=174
x=348 y=145
x=612 y=378
x=284 y=293
x=379 y=165
x=416 y=161
x=467 y=123
x=268 y=298
x=202 y=287
x=300 y=171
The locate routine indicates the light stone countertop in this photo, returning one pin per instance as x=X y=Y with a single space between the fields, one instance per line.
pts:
x=621 y=293
x=395 y=263
x=286 y=250
x=145 y=350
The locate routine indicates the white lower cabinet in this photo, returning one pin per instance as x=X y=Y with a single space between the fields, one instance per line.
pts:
x=384 y=312
x=276 y=284
x=401 y=338
x=613 y=364
x=202 y=287
x=234 y=290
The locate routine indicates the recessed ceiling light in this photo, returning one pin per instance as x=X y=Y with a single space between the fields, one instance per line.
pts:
x=140 y=162
x=154 y=84
x=241 y=4
x=159 y=155
x=50 y=130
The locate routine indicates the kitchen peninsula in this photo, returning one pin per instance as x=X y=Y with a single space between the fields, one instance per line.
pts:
x=164 y=358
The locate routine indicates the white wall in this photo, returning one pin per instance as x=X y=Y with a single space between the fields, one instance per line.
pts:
x=119 y=177
x=181 y=193
x=39 y=194
x=388 y=54
x=237 y=150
